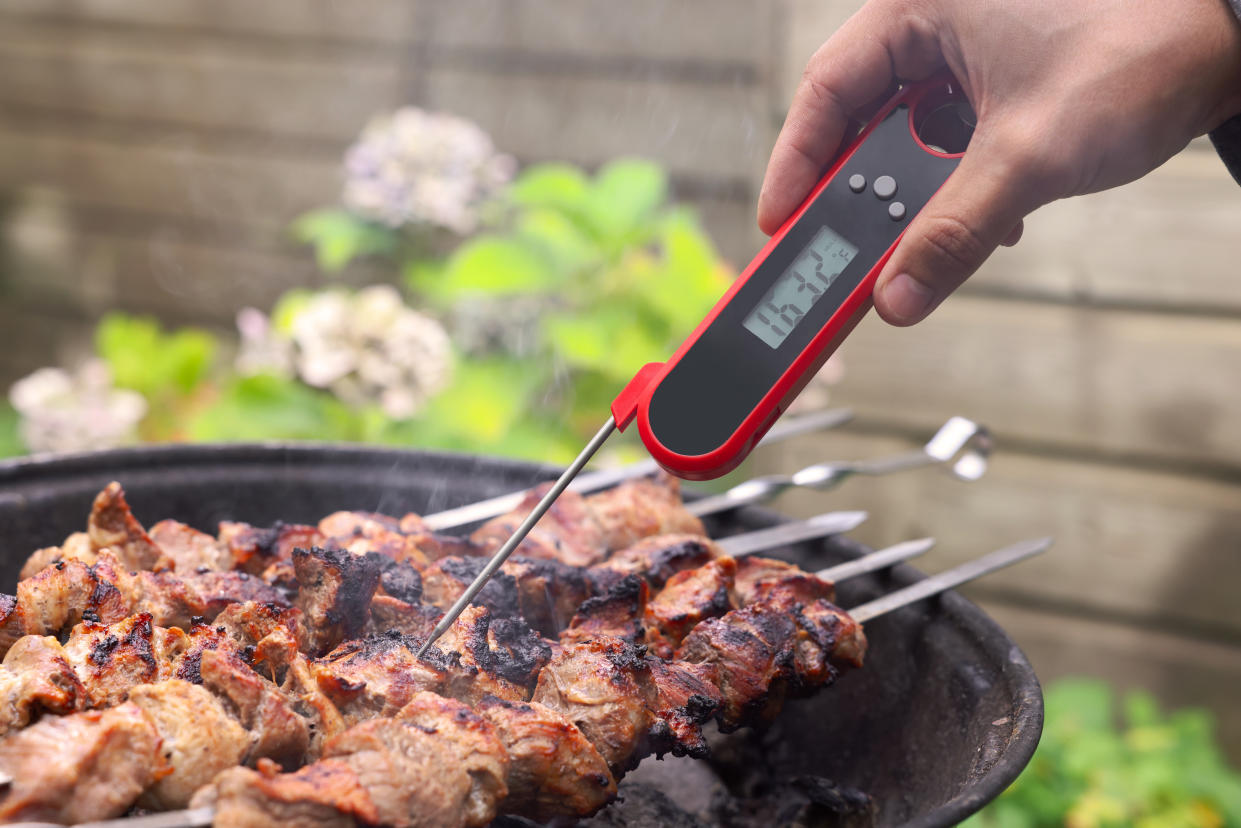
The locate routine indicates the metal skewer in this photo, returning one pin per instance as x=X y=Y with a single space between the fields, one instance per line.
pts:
x=950 y=578
x=962 y=445
x=595 y=481
x=764 y=540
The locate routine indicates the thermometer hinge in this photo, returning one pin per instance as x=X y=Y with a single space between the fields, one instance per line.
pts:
x=625 y=406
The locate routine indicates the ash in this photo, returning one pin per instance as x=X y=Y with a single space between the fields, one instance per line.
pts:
x=733 y=788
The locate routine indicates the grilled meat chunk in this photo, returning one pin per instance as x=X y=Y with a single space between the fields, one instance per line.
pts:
x=254 y=550
x=656 y=559
x=686 y=697
x=61 y=595
x=334 y=593
x=638 y=509
x=84 y=766
x=604 y=687
x=471 y=666
x=619 y=613
x=76 y=547
x=276 y=731
x=473 y=748
x=374 y=676
x=362 y=532
x=389 y=614
x=569 y=532
x=446 y=580
x=548 y=591
x=553 y=770
x=217 y=590
x=36 y=678
x=110 y=659
x=688 y=598
x=326 y=794
x=112 y=525
x=190 y=549
x=200 y=739
x=757 y=578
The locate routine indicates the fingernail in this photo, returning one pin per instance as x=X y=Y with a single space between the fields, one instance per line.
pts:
x=908 y=298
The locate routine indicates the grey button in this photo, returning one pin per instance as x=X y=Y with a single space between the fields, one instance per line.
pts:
x=857 y=182
x=885 y=187
x=896 y=210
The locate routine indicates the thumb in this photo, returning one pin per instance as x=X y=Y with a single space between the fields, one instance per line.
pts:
x=979 y=207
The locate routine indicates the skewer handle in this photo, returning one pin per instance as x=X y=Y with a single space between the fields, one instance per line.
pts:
x=950 y=578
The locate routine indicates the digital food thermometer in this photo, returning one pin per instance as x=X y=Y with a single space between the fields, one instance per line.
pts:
x=700 y=413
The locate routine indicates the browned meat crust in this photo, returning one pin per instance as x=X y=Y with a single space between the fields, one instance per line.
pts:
x=335 y=590
x=36 y=678
x=326 y=794
x=84 y=766
x=112 y=525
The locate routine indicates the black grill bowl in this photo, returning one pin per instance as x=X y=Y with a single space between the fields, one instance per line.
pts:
x=944 y=715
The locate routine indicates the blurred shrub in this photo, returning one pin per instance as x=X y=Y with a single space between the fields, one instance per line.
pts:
x=529 y=302
x=1100 y=767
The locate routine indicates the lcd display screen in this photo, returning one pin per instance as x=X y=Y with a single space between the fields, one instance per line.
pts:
x=800 y=287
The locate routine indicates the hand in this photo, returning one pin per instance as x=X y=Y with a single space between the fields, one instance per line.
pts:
x=1072 y=97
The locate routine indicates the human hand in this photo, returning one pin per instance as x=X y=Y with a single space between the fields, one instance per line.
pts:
x=1072 y=97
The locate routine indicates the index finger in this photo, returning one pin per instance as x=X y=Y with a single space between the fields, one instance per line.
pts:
x=853 y=68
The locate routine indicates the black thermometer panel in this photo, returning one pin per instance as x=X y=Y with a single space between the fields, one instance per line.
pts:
x=705 y=408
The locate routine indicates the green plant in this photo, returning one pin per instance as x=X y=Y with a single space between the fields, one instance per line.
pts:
x=1097 y=769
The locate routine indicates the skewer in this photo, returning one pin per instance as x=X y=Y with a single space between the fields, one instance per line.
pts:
x=962 y=445
x=764 y=540
x=948 y=579
x=597 y=480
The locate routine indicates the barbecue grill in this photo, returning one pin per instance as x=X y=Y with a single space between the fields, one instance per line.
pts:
x=944 y=715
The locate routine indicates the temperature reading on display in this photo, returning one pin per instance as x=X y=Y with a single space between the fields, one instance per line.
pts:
x=800 y=287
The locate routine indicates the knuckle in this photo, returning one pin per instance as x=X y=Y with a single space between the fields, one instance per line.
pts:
x=954 y=244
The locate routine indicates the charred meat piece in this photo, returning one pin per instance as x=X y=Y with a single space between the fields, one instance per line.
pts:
x=687 y=599
x=334 y=593
x=758 y=577
x=36 y=678
x=250 y=622
x=190 y=549
x=604 y=687
x=473 y=748
x=220 y=589
x=326 y=794
x=389 y=614
x=655 y=559
x=362 y=532
x=444 y=581
x=568 y=532
x=686 y=697
x=199 y=737
x=401 y=581
x=85 y=766
x=110 y=659
x=619 y=614
x=436 y=545
x=548 y=592
x=77 y=547
x=553 y=770
x=374 y=676
x=253 y=549
x=64 y=593
x=276 y=731
x=112 y=525
x=638 y=509
x=471 y=665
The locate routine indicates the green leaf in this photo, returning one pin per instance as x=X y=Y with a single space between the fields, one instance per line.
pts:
x=493 y=266
x=624 y=197
x=613 y=340
x=486 y=399
x=264 y=407
x=561 y=187
x=142 y=357
x=565 y=248
x=10 y=437
x=339 y=237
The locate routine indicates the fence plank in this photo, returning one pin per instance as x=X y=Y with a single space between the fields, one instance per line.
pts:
x=1129 y=542
x=1118 y=381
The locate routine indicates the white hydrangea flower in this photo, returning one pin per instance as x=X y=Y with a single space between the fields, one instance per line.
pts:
x=365 y=347
x=81 y=411
x=418 y=167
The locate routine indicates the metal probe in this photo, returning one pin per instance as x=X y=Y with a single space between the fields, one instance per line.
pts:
x=498 y=559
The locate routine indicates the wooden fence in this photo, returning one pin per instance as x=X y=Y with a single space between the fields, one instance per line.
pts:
x=152 y=153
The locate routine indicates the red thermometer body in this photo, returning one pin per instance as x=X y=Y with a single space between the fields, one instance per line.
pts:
x=701 y=412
